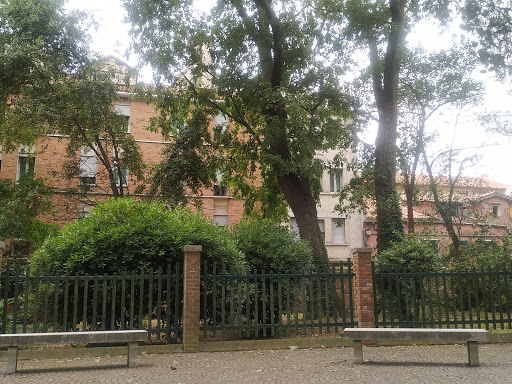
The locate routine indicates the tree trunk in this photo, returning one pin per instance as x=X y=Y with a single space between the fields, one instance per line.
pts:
x=385 y=87
x=298 y=195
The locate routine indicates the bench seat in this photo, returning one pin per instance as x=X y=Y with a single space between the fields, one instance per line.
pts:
x=469 y=336
x=13 y=341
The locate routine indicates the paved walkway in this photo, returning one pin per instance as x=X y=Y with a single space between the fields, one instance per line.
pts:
x=406 y=364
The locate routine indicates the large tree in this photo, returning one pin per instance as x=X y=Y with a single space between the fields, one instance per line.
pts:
x=267 y=71
x=431 y=82
x=381 y=27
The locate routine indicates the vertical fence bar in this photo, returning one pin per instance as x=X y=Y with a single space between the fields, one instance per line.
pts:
x=214 y=299
x=5 y=278
x=104 y=303
x=35 y=327
x=341 y=304
x=438 y=300
x=15 y=299
x=159 y=304
x=168 y=306
x=66 y=298
x=272 y=304
x=470 y=308
x=446 y=298
x=26 y=299
x=223 y=299
x=75 y=301
x=150 y=301
x=484 y=298
x=94 y=303
x=263 y=303
x=142 y=284
x=45 y=302
x=122 y=304
x=498 y=286
x=56 y=291
x=507 y=292
x=132 y=299
x=477 y=299
x=492 y=299
x=85 y=296
x=113 y=303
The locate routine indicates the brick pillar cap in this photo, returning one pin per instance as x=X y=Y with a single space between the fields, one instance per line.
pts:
x=193 y=248
x=2 y=245
x=362 y=250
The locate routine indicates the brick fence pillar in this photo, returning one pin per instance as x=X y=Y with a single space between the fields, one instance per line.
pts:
x=191 y=297
x=363 y=287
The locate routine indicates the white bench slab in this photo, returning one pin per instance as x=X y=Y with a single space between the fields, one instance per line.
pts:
x=13 y=341
x=469 y=336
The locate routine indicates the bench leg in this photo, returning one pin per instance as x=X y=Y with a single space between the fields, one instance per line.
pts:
x=473 y=358
x=132 y=354
x=358 y=351
x=12 y=360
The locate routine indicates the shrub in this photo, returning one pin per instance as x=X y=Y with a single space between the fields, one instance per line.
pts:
x=124 y=235
x=268 y=246
x=408 y=254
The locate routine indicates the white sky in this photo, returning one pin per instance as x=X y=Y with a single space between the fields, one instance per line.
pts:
x=111 y=38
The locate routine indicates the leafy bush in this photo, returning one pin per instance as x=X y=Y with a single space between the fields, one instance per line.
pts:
x=408 y=254
x=124 y=235
x=482 y=253
x=268 y=246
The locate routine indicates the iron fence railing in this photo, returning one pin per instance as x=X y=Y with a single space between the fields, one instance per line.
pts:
x=266 y=304
x=33 y=302
x=471 y=298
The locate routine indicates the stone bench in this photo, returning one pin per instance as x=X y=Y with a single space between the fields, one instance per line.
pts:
x=13 y=341
x=469 y=336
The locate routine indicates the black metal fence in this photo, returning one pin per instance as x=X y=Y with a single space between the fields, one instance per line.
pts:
x=258 y=304
x=475 y=298
x=234 y=305
x=32 y=302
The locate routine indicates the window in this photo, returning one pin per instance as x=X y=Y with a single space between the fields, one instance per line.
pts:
x=124 y=175
x=88 y=167
x=122 y=107
x=335 y=179
x=84 y=211
x=451 y=208
x=220 y=219
x=496 y=210
x=220 y=122
x=20 y=248
x=338 y=231
x=321 y=224
x=26 y=162
x=218 y=189
x=434 y=243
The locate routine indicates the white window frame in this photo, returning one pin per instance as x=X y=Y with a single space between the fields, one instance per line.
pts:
x=123 y=108
x=26 y=153
x=221 y=120
x=498 y=210
x=335 y=179
x=338 y=233
x=221 y=220
x=88 y=166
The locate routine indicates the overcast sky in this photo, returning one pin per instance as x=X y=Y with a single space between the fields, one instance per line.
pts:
x=111 y=38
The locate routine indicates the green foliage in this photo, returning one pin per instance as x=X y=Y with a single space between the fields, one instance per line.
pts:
x=38 y=42
x=491 y=22
x=269 y=246
x=256 y=64
x=409 y=254
x=21 y=204
x=484 y=253
x=124 y=235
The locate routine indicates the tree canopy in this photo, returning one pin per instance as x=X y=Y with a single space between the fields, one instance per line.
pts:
x=51 y=83
x=268 y=73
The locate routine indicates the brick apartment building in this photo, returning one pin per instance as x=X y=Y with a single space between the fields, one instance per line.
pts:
x=46 y=159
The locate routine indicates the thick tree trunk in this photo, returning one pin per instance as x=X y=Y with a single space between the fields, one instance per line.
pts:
x=385 y=87
x=298 y=195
